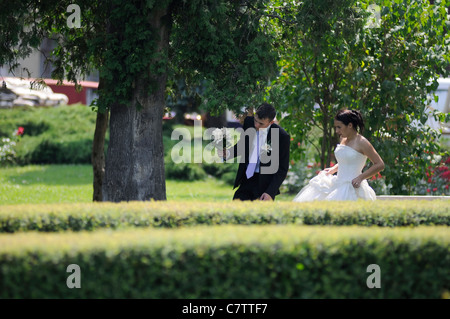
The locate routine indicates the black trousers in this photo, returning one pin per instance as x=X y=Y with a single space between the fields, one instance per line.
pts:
x=249 y=189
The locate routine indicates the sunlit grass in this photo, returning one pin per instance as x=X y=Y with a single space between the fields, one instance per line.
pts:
x=35 y=184
x=46 y=184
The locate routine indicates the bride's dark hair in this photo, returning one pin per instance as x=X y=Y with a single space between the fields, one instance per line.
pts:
x=351 y=116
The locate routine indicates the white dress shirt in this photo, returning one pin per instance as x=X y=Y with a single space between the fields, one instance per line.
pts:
x=262 y=132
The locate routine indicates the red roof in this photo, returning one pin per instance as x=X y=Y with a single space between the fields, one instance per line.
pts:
x=85 y=84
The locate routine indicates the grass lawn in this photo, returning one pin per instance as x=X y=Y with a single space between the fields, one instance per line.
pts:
x=35 y=184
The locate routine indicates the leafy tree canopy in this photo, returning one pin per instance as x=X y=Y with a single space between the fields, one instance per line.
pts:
x=334 y=56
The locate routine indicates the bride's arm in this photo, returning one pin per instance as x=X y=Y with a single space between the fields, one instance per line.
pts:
x=331 y=170
x=377 y=163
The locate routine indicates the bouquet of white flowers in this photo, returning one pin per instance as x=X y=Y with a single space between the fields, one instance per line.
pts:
x=222 y=138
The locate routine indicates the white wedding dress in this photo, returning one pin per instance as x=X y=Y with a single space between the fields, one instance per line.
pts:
x=332 y=187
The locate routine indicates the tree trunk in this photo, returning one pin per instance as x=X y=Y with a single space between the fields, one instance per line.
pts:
x=135 y=159
x=98 y=154
x=330 y=146
x=323 y=150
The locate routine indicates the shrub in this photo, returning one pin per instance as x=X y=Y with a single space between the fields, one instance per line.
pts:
x=7 y=152
x=437 y=180
x=74 y=151
x=62 y=217
x=228 y=262
x=7 y=147
x=53 y=135
x=184 y=171
x=224 y=171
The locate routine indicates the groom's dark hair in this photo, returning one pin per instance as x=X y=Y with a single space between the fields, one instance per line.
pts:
x=266 y=111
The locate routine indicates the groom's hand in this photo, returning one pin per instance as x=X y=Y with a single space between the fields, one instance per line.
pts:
x=222 y=153
x=265 y=196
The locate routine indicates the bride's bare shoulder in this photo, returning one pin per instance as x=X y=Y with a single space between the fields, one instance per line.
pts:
x=364 y=142
x=362 y=139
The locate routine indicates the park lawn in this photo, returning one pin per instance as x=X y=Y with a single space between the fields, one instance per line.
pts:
x=36 y=184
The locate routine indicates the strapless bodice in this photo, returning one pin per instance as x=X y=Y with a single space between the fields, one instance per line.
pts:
x=351 y=162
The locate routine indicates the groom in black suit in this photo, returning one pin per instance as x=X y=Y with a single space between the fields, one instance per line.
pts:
x=264 y=151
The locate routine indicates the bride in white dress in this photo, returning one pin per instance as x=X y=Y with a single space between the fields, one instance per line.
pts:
x=351 y=155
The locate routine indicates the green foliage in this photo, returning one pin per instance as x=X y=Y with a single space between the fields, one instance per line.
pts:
x=197 y=171
x=414 y=44
x=437 y=180
x=63 y=217
x=128 y=52
x=223 y=171
x=318 y=36
x=194 y=142
x=51 y=135
x=17 y=42
x=224 y=47
x=254 y=262
x=7 y=152
x=184 y=171
x=331 y=59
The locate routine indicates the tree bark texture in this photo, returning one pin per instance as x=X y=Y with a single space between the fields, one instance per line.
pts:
x=134 y=168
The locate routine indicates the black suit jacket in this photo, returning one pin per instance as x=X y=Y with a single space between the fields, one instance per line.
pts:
x=269 y=183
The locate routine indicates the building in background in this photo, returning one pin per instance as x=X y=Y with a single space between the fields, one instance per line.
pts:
x=35 y=66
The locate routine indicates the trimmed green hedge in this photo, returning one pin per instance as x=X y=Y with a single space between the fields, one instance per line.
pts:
x=61 y=217
x=287 y=261
x=51 y=134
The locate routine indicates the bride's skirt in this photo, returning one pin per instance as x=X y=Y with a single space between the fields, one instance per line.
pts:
x=329 y=187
